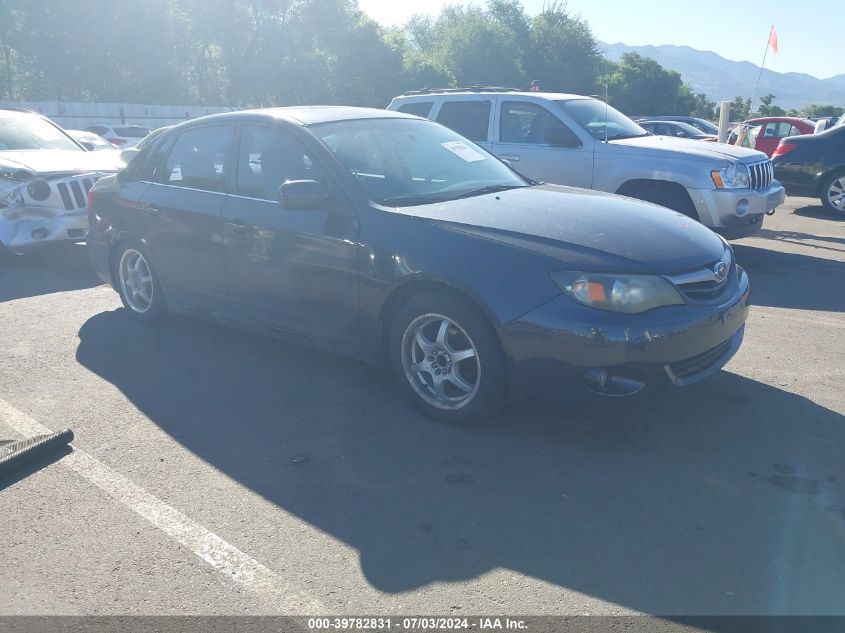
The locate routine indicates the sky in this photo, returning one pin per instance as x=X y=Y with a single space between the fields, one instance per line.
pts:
x=809 y=31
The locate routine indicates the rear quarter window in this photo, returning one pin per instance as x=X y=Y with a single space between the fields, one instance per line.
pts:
x=467 y=118
x=417 y=108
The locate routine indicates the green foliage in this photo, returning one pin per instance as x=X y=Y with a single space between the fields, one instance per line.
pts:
x=278 y=52
x=639 y=85
x=817 y=111
x=767 y=107
x=740 y=109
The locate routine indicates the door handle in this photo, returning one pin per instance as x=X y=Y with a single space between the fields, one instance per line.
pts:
x=238 y=227
x=509 y=157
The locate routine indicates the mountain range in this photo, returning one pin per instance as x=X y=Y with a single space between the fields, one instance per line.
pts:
x=722 y=79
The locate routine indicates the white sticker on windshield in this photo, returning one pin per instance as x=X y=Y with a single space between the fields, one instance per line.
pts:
x=462 y=150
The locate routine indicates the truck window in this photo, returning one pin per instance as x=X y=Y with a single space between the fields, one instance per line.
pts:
x=525 y=122
x=467 y=118
x=417 y=108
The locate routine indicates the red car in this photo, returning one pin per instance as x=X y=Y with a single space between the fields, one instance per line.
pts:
x=765 y=133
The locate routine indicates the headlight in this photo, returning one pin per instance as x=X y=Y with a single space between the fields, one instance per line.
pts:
x=630 y=294
x=731 y=176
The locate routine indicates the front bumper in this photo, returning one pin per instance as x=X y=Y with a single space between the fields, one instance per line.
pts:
x=677 y=345
x=37 y=227
x=58 y=215
x=736 y=213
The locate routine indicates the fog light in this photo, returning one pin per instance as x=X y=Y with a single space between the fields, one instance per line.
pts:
x=40 y=234
x=742 y=207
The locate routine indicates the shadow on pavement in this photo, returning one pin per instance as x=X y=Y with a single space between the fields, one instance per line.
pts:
x=710 y=500
x=819 y=212
x=55 y=269
x=791 y=280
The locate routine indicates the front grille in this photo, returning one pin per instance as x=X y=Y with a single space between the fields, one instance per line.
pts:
x=699 y=363
x=702 y=285
x=761 y=174
x=74 y=192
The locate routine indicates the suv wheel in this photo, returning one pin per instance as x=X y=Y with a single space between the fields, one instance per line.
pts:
x=447 y=358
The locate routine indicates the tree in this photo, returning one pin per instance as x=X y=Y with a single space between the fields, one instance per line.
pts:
x=817 y=111
x=639 y=85
x=767 y=107
x=563 y=55
x=740 y=109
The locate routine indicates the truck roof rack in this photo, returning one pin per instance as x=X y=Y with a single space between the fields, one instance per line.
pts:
x=475 y=88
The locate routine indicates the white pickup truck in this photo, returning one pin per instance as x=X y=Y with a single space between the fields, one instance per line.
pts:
x=582 y=142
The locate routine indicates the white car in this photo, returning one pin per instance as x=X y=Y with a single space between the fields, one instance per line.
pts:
x=45 y=176
x=90 y=141
x=121 y=136
x=583 y=142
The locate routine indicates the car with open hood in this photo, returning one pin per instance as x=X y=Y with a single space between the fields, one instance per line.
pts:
x=45 y=176
x=393 y=239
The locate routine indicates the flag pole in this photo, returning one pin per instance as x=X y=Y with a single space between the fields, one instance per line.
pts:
x=760 y=74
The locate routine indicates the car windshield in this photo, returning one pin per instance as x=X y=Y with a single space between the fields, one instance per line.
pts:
x=601 y=120
x=705 y=126
x=402 y=162
x=28 y=131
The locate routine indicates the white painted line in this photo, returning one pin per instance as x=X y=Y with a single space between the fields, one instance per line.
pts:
x=223 y=556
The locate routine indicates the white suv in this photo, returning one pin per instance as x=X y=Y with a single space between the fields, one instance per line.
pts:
x=121 y=136
x=582 y=142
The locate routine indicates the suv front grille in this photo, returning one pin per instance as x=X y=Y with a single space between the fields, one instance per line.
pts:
x=761 y=174
x=74 y=192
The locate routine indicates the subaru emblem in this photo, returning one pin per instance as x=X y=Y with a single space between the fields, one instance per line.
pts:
x=721 y=271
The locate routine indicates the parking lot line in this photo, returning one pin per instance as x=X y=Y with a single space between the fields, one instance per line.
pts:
x=221 y=555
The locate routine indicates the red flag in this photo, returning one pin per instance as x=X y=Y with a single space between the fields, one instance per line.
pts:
x=773 y=40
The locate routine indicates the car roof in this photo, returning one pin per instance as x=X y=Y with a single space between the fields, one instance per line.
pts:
x=306 y=115
x=551 y=96
x=784 y=119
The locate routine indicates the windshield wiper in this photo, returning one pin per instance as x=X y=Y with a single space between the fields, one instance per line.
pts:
x=485 y=190
x=619 y=137
x=411 y=200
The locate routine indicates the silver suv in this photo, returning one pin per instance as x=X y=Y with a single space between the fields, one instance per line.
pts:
x=582 y=142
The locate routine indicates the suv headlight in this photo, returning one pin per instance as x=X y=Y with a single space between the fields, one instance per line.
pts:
x=629 y=294
x=731 y=176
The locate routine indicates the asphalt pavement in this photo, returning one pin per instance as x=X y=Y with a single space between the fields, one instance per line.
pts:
x=216 y=472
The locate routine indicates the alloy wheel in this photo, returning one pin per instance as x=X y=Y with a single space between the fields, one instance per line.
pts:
x=136 y=280
x=440 y=361
x=836 y=193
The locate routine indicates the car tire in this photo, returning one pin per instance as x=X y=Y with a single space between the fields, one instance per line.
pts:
x=137 y=283
x=447 y=358
x=833 y=192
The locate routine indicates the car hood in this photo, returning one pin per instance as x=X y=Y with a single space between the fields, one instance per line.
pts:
x=665 y=145
x=587 y=230
x=59 y=161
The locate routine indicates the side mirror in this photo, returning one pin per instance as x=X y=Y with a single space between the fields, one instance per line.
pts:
x=560 y=136
x=303 y=194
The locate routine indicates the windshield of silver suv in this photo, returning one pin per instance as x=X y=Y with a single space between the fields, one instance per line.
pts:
x=402 y=162
x=601 y=120
x=19 y=131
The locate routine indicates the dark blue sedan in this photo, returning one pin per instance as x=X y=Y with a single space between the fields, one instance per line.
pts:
x=392 y=239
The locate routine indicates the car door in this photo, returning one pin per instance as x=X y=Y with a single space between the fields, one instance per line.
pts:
x=769 y=137
x=183 y=225
x=522 y=125
x=291 y=269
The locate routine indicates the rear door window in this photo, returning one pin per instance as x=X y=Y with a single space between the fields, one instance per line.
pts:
x=468 y=118
x=418 y=108
x=198 y=159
